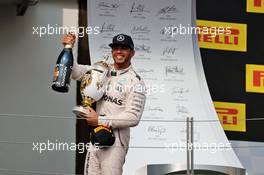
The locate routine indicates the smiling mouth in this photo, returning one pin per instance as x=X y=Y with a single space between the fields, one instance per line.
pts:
x=119 y=57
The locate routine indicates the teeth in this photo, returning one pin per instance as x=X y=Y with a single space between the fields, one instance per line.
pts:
x=119 y=56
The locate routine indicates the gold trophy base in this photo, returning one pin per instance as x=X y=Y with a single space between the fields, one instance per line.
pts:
x=79 y=109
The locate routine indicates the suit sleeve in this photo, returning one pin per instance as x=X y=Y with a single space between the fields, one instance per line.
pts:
x=135 y=103
x=79 y=70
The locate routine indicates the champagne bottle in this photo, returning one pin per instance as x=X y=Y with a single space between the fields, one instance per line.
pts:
x=63 y=68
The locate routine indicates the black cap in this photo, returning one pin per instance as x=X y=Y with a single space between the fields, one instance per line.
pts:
x=122 y=39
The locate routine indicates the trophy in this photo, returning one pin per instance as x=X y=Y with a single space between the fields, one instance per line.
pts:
x=92 y=86
x=92 y=89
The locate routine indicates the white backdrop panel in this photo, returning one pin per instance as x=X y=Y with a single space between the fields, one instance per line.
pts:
x=170 y=66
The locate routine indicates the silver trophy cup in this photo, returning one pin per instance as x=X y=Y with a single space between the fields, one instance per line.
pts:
x=93 y=86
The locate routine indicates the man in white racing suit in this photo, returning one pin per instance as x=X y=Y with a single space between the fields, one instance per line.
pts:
x=121 y=107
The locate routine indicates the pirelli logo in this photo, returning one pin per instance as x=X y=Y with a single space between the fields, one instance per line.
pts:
x=255 y=78
x=232 y=116
x=255 y=6
x=222 y=35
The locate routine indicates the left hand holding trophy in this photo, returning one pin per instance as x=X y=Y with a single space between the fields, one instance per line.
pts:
x=92 y=89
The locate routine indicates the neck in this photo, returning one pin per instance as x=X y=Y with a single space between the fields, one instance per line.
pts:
x=121 y=66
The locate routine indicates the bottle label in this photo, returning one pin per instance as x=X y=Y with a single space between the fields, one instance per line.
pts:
x=61 y=75
x=56 y=73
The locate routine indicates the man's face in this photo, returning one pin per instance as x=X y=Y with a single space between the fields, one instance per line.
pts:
x=122 y=54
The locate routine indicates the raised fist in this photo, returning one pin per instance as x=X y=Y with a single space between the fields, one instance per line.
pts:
x=69 y=39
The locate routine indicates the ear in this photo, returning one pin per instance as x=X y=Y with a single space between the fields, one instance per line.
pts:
x=132 y=53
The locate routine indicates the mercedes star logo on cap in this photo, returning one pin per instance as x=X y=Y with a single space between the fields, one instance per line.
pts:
x=120 y=38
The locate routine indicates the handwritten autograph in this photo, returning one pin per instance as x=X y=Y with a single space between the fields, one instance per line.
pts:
x=169 y=51
x=180 y=90
x=182 y=109
x=137 y=8
x=155 y=109
x=167 y=10
x=145 y=71
x=140 y=30
x=169 y=30
x=142 y=48
x=107 y=28
x=104 y=46
x=174 y=70
x=157 y=130
x=108 y=5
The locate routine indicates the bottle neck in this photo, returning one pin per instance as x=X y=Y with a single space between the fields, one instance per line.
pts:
x=68 y=46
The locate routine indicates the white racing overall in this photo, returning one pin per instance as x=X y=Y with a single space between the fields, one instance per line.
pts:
x=121 y=107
